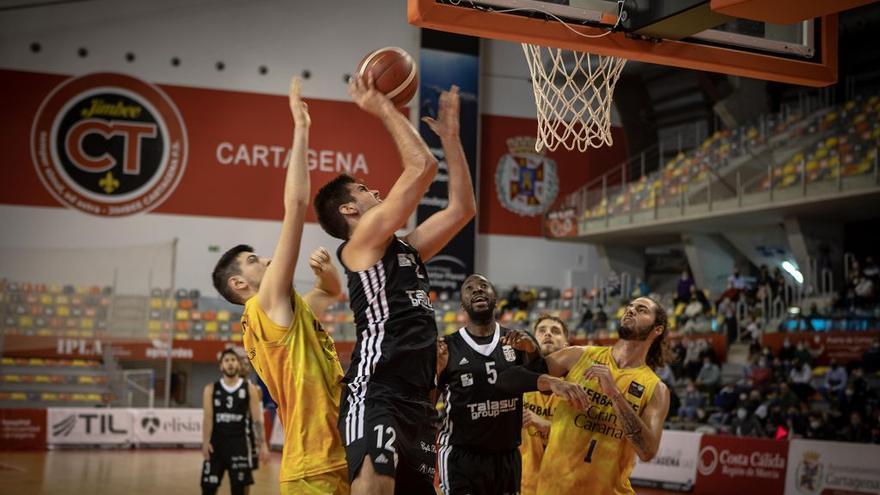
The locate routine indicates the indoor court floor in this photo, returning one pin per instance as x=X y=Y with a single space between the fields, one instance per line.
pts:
x=130 y=472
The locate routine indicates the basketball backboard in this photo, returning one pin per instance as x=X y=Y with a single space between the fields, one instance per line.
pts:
x=710 y=35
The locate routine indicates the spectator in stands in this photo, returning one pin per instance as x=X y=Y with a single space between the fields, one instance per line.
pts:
x=729 y=293
x=727 y=310
x=727 y=398
x=801 y=353
x=779 y=370
x=871 y=358
x=709 y=377
x=641 y=288
x=692 y=360
x=514 y=300
x=786 y=353
x=817 y=429
x=746 y=425
x=863 y=288
x=692 y=403
x=612 y=284
x=787 y=398
x=600 y=321
x=752 y=329
x=736 y=280
x=764 y=278
x=835 y=382
x=760 y=373
x=856 y=430
x=801 y=376
x=586 y=323
x=778 y=281
x=683 y=291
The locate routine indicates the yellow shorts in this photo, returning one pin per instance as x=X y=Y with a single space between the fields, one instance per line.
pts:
x=332 y=483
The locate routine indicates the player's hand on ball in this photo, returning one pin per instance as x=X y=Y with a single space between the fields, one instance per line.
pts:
x=520 y=340
x=298 y=108
x=446 y=126
x=601 y=373
x=319 y=261
x=571 y=392
x=207 y=450
x=364 y=93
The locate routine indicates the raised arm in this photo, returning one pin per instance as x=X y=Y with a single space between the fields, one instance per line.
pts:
x=207 y=420
x=328 y=287
x=274 y=293
x=642 y=430
x=522 y=379
x=432 y=234
x=377 y=225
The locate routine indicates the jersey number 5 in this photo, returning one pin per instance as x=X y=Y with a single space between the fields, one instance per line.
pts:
x=491 y=373
x=589 y=457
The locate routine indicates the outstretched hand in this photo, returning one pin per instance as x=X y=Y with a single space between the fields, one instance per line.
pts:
x=446 y=126
x=320 y=261
x=520 y=340
x=364 y=93
x=298 y=108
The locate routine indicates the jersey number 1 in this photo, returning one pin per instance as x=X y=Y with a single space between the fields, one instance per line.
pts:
x=589 y=456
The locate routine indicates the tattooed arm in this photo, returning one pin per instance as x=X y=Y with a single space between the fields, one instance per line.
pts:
x=256 y=406
x=643 y=431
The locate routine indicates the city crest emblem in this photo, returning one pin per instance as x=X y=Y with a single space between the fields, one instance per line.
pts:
x=509 y=353
x=525 y=181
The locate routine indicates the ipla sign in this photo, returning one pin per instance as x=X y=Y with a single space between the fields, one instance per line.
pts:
x=735 y=465
x=88 y=426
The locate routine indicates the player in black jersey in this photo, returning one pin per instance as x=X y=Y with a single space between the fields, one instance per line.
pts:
x=478 y=445
x=230 y=406
x=385 y=413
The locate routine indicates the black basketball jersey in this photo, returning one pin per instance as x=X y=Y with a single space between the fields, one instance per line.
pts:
x=231 y=411
x=478 y=414
x=396 y=331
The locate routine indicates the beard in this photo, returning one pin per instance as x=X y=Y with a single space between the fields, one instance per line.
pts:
x=481 y=317
x=230 y=374
x=631 y=332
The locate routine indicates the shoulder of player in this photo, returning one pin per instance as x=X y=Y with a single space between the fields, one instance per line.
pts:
x=209 y=388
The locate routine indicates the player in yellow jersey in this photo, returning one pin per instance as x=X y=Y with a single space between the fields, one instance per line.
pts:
x=552 y=335
x=283 y=337
x=595 y=435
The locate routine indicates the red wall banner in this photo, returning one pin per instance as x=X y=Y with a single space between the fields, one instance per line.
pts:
x=234 y=150
x=23 y=429
x=515 y=182
x=736 y=465
x=204 y=351
x=842 y=346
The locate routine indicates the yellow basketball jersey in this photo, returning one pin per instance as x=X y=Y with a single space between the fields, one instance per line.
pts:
x=300 y=368
x=533 y=441
x=587 y=451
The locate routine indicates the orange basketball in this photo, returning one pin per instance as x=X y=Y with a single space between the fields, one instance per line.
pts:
x=394 y=73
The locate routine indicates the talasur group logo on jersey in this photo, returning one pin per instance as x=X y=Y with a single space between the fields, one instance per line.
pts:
x=525 y=181
x=109 y=144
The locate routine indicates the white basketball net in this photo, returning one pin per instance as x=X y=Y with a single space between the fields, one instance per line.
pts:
x=573 y=93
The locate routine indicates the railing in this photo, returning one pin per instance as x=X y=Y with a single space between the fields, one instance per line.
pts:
x=709 y=183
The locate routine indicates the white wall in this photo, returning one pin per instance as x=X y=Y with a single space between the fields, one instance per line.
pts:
x=326 y=38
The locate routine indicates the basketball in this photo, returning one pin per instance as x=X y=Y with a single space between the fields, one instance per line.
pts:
x=394 y=73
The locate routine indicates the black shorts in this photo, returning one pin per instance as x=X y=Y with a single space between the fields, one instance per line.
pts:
x=232 y=456
x=397 y=433
x=470 y=472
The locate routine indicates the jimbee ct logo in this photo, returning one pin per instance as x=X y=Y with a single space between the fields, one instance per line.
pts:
x=109 y=145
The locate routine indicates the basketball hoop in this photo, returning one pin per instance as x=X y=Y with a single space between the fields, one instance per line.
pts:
x=573 y=94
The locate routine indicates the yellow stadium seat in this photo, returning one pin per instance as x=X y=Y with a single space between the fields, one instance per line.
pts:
x=25 y=321
x=154 y=325
x=181 y=315
x=210 y=327
x=63 y=311
x=223 y=315
x=86 y=323
x=155 y=303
